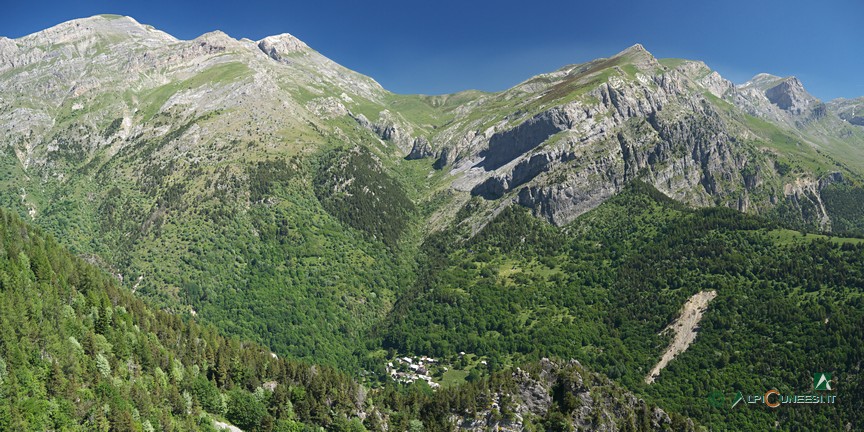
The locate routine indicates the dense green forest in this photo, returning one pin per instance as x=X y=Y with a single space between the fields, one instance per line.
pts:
x=355 y=189
x=79 y=353
x=602 y=289
x=248 y=248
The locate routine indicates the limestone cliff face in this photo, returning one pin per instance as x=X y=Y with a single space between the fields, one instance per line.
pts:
x=683 y=129
x=780 y=100
x=570 y=158
x=280 y=47
x=689 y=156
x=790 y=96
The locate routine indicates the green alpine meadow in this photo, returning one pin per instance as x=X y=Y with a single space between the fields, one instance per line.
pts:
x=228 y=234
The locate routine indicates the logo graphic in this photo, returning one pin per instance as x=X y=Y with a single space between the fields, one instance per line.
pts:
x=738 y=398
x=774 y=397
x=768 y=394
x=822 y=381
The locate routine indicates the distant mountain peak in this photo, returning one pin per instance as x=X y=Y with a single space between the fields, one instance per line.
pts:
x=762 y=81
x=790 y=95
x=93 y=27
x=634 y=51
x=634 y=48
x=278 y=46
x=638 y=56
x=764 y=76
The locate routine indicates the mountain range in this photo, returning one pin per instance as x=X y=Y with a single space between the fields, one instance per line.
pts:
x=261 y=188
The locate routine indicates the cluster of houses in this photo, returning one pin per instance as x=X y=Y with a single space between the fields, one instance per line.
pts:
x=411 y=369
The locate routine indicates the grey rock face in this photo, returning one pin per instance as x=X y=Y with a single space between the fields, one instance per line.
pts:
x=656 y=124
x=780 y=100
x=507 y=145
x=622 y=137
x=717 y=85
x=327 y=107
x=790 y=96
x=850 y=110
x=389 y=127
x=8 y=53
x=420 y=149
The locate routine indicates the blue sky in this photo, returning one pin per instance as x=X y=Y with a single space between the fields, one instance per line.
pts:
x=445 y=46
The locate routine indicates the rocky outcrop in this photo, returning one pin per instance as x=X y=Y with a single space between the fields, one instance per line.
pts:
x=805 y=194
x=420 y=149
x=8 y=53
x=586 y=400
x=389 y=128
x=851 y=110
x=780 y=100
x=506 y=146
x=279 y=47
x=716 y=84
x=790 y=96
x=586 y=125
x=710 y=80
x=327 y=108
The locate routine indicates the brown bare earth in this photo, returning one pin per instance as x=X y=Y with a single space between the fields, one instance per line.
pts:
x=685 y=328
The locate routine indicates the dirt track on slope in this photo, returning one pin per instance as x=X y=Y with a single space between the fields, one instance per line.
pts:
x=685 y=328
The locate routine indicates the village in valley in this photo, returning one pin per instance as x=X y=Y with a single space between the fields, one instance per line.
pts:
x=410 y=369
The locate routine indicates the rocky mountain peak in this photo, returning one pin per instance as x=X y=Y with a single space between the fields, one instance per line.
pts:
x=789 y=95
x=278 y=46
x=638 y=56
x=216 y=41
x=98 y=26
x=635 y=48
x=762 y=81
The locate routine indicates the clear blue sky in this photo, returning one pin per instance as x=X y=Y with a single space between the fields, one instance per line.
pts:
x=442 y=46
